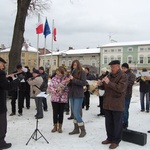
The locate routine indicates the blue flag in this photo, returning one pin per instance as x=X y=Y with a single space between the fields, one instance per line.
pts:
x=47 y=30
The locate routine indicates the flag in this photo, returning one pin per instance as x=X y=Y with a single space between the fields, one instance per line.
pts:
x=39 y=28
x=54 y=33
x=47 y=30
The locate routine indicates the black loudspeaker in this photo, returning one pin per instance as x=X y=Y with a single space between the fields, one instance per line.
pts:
x=134 y=137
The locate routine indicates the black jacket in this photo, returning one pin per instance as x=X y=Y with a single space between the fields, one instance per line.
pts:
x=44 y=75
x=131 y=79
x=5 y=85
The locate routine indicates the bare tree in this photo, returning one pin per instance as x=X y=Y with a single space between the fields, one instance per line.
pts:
x=24 y=7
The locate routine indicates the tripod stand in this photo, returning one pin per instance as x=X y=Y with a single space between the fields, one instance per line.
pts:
x=36 y=131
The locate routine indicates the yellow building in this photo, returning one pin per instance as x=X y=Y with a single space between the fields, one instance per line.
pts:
x=28 y=56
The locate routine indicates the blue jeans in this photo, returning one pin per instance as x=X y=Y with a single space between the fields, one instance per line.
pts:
x=126 y=110
x=142 y=95
x=76 y=105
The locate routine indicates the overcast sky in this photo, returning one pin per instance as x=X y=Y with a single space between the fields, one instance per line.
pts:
x=83 y=23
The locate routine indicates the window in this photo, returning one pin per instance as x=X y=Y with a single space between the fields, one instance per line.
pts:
x=119 y=50
x=148 y=48
x=148 y=60
x=105 y=50
x=63 y=62
x=141 y=49
x=119 y=58
x=54 y=62
x=23 y=54
x=141 y=60
x=130 y=59
x=69 y=62
x=112 y=50
x=111 y=58
x=130 y=49
x=22 y=62
x=93 y=63
x=105 y=60
x=29 y=62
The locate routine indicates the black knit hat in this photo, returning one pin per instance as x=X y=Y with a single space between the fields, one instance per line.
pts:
x=41 y=68
x=2 y=60
x=114 y=62
x=125 y=65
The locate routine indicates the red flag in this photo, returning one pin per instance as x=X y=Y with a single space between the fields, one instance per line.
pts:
x=39 y=28
x=54 y=33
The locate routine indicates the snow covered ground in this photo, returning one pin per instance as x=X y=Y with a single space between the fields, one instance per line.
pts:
x=21 y=128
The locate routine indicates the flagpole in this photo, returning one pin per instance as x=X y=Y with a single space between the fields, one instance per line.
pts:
x=52 y=46
x=37 y=55
x=44 y=52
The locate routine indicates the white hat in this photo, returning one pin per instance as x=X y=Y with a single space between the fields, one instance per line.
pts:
x=104 y=69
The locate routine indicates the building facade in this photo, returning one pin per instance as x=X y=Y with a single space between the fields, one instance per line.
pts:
x=28 y=56
x=87 y=57
x=136 y=54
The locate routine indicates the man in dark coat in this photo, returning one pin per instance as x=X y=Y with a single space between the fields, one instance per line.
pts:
x=44 y=75
x=27 y=92
x=115 y=89
x=87 y=93
x=4 y=85
x=131 y=79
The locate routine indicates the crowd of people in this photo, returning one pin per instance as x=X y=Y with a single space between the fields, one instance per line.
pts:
x=69 y=91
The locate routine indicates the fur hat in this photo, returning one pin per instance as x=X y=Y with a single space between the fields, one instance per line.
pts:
x=114 y=62
x=104 y=69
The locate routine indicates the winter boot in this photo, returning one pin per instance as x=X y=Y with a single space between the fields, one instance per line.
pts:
x=76 y=128
x=60 y=128
x=55 y=128
x=82 y=128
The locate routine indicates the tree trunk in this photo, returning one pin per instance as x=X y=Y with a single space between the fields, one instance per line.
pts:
x=18 y=35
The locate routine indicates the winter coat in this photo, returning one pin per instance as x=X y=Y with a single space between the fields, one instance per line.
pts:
x=44 y=75
x=90 y=77
x=5 y=85
x=28 y=75
x=131 y=79
x=115 y=91
x=58 y=82
x=76 y=86
x=35 y=83
x=144 y=85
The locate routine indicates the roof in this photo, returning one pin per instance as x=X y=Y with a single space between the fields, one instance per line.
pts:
x=76 y=51
x=83 y=51
x=127 y=43
x=29 y=49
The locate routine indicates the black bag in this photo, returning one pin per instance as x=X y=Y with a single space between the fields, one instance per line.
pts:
x=42 y=87
x=134 y=137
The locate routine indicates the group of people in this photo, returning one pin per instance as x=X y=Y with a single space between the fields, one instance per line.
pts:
x=24 y=91
x=19 y=84
x=115 y=92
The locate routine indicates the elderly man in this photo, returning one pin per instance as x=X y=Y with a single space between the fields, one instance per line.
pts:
x=115 y=88
x=5 y=85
